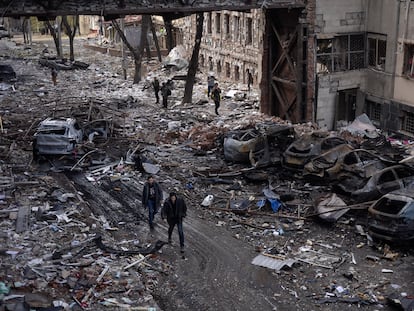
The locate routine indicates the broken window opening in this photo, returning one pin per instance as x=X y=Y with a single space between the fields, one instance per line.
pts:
x=228 y=73
x=249 y=28
x=202 y=60
x=210 y=63
x=373 y=111
x=377 y=48
x=227 y=24
x=209 y=18
x=341 y=53
x=218 y=22
x=236 y=25
x=218 y=65
x=407 y=123
x=236 y=73
x=408 y=69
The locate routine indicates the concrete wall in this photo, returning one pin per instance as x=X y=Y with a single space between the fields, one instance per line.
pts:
x=338 y=16
x=328 y=87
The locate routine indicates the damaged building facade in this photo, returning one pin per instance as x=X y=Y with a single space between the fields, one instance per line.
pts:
x=231 y=44
x=327 y=62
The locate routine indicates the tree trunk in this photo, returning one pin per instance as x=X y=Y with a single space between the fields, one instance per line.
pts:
x=70 y=33
x=136 y=53
x=55 y=37
x=144 y=32
x=154 y=36
x=168 y=28
x=192 y=68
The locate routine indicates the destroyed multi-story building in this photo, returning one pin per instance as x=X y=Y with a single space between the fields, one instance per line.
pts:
x=312 y=60
x=335 y=59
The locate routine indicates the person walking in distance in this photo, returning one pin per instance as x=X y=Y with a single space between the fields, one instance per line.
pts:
x=249 y=79
x=165 y=92
x=156 y=86
x=54 y=76
x=216 y=95
x=151 y=199
x=210 y=85
x=175 y=210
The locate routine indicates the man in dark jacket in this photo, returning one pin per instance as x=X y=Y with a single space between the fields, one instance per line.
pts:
x=156 y=86
x=175 y=210
x=151 y=198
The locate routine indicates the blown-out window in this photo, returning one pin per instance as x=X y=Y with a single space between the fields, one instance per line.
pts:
x=341 y=53
x=377 y=51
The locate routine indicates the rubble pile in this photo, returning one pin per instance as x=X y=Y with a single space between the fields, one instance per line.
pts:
x=74 y=234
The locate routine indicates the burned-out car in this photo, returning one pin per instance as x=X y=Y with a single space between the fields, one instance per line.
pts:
x=57 y=136
x=308 y=147
x=260 y=146
x=391 y=218
x=343 y=161
x=384 y=181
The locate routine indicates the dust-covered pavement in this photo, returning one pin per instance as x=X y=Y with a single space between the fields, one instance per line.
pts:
x=215 y=271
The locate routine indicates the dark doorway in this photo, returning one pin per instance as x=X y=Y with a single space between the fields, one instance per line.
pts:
x=346 y=106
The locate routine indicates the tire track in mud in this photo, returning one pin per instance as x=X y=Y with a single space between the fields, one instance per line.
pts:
x=217 y=273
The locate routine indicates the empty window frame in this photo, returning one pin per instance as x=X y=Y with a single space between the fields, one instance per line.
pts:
x=210 y=63
x=226 y=24
x=209 y=22
x=228 y=72
x=407 y=122
x=218 y=65
x=201 y=61
x=408 y=69
x=373 y=111
x=377 y=51
x=341 y=53
x=236 y=28
x=249 y=30
x=236 y=73
x=218 y=22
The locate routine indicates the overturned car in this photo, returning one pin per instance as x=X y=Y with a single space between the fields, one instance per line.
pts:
x=391 y=218
x=57 y=136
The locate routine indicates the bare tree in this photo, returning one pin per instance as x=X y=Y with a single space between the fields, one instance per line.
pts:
x=154 y=36
x=71 y=33
x=55 y=36
x=168 y=28
x=192 y=68
x=136 y=52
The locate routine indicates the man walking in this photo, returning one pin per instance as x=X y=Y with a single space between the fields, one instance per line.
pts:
x=175 y=210
x=216 y=96
x=151 y=199
x=156 y=86
x=165 y=92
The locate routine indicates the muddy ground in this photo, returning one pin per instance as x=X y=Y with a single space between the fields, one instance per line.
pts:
x=216 y=270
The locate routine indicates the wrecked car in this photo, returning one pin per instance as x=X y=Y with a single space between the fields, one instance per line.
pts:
x=307 y=148
x=391 y=218
x=382 y=182
x=57 y=136
x=258 y=146
x=343 y=160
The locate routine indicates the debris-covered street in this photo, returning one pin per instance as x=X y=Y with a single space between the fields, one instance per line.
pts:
x=277 y=212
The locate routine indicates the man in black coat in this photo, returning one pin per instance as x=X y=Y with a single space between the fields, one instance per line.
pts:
x=151 y=198
x=175 y=210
